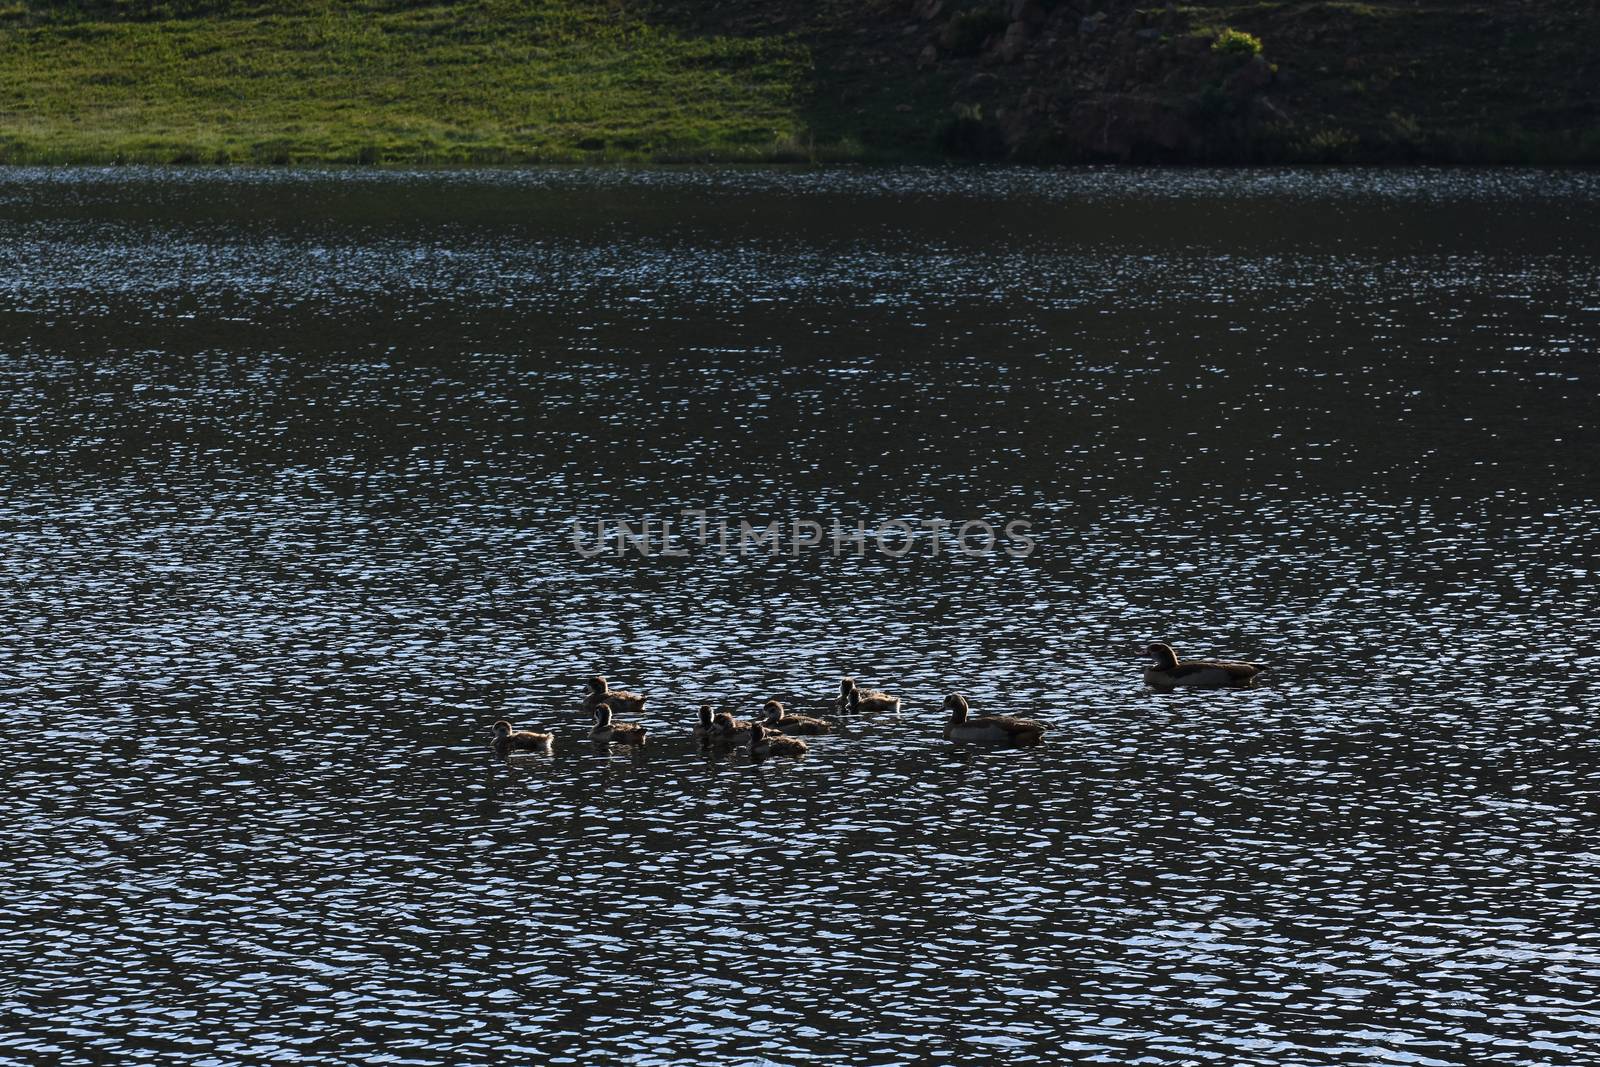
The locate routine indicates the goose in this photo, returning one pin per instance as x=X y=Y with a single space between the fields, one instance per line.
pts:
x=623 y=703
x=606 y=730
x=763 y=743
x=1167 y=671
x=865 y=699
x=992 y=729
x=506 y=740
x=775 y=717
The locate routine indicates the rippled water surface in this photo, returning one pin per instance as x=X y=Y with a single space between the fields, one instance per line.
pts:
x=290 y=467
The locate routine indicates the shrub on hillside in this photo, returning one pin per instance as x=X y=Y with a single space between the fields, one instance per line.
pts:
x=1232 y=42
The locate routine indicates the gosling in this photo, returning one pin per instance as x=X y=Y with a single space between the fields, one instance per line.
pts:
x=775 y=717
x=620 y=701
x=856 y=700
x=702 y=729
x=506 y=740
x=607 y=731
x=727 y=730
x=764 y=744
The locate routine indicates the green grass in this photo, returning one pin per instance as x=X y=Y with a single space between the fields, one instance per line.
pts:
x=489 y=81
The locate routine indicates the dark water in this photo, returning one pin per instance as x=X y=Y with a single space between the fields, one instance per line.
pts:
x=289 y=469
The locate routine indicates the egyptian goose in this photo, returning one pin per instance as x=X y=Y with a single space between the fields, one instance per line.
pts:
x=989 y=729
x=1167 y=671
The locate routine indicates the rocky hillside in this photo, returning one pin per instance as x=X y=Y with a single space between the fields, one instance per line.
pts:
x=1121 y=80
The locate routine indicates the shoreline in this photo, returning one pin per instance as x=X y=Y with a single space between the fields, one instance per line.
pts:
x=1584 y=160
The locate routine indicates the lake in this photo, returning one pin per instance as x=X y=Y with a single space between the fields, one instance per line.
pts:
x=310 y=476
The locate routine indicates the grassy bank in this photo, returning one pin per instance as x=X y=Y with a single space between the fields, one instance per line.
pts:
x=480 y=82
x=486 y=81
